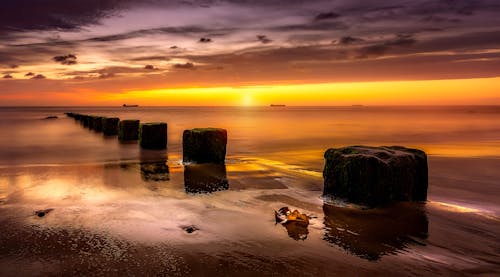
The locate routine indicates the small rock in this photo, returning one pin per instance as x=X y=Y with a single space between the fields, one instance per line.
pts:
x=42 y=213
x=190 y=229
x=51 y=117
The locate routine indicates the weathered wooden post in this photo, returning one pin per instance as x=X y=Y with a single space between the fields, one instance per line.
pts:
x=91 y=122
x=376 y=175
x=204 y=145
x=110 y=126
x=128 y=129
x=97 y=124
x=85 y=120
x=153 y=135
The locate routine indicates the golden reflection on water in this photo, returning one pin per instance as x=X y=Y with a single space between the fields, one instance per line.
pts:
x=456 y=208
x=255 y=163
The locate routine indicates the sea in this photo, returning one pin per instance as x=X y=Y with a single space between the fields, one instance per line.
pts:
x=75 y=202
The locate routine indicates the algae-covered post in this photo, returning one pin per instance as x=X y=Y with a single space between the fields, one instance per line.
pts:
x=128 y=129
x=376 y=175
x=97 y=124
x=153 y=135
x=204 y=145
x=110 y=126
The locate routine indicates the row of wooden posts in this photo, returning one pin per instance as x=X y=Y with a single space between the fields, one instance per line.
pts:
x=150 y=135
x=199 y=145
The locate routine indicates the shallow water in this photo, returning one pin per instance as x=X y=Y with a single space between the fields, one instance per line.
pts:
x=121 y=210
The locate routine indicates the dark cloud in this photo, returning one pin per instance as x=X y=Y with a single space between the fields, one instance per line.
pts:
x=380 y=49
x=440 y=19
x=150 y=58
x=187 y=65
x=182 y=30
x=264 y=39
x=314 y=26
x=14 y=66
x=350 y=40
x=173 y=47
x=460 y=7
x=32 y=53
x=205 y=40
x=29 y=74
x=110 y=72
x=27 y=15
x=325 y=16
x=38 y=76
x=7 y=76
x=372 y=51
x=401 y=40
x=69 y=59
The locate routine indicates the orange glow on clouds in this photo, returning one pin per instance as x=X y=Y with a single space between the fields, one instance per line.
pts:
x=435 y=92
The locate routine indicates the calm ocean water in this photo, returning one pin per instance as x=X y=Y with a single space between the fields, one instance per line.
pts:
x=297 y=133
x=109 y=211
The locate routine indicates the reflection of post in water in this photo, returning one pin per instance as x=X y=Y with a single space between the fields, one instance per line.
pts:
x=207 y=177
x=154 y=165
x=373 y=233
x=297 y=230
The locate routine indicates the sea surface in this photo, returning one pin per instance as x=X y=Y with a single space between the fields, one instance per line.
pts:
x=112 y=209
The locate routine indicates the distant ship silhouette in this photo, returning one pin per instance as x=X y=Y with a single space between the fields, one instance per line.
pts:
x=130 y=106
x=277 y=105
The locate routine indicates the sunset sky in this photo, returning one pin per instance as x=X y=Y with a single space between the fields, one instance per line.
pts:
x=239 y=52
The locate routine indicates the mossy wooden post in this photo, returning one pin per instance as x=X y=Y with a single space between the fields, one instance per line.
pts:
x=110 y=126
x=128 y=129
x=376 y=175
x=153 y=135
x=78 y=117
x=204 y=145
x=97 y=124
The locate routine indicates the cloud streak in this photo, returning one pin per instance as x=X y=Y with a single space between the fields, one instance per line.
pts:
x=69 y=59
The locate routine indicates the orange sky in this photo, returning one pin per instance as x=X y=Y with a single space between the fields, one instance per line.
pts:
x=250 y=53
x=479 y=91
x=437 y=92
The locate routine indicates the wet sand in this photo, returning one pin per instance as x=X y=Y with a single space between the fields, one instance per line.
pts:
x=112 y=209
x=121 y=218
